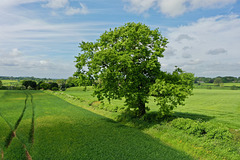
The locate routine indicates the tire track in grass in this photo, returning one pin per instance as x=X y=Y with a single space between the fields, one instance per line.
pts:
x=2 y=153
x=31 y=132
x=12 y=134
x=28 y=156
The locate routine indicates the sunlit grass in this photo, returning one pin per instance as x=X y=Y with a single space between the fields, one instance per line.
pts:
x=65 y=131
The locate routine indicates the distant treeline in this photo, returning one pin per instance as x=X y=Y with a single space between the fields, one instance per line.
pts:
x=26 y=78
x=32 y=83
x=226 y=79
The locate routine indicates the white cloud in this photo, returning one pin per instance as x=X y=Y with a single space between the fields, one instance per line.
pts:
x=11 y=3
x=33 y=47
x=139 y=6
x=55 y=4
x=212 y=36
x=15 y=52
x=72 y=11
x=173 y=7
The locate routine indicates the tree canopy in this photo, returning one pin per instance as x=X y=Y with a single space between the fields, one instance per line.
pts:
x=124 y=62
x=29 y=83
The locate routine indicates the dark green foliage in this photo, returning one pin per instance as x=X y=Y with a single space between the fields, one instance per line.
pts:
x=124 y=62
x=172 y=90
x=234 y=87
x=29 y=84
x=218 y=81
x=54 y=89
x=206 y=129
x=53 y=85
x=39 y=85
x=45 y=86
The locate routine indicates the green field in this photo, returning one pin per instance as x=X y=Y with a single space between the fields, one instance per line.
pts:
x=45 y=126
x=48 y=127
x=10 y=82
x=213 y=105
x=216 y=107
x=209 y=105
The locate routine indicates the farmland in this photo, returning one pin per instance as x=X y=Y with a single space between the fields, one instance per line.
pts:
x=42 y=126
x=217 y=107
x=59 y=125
x=211 y=105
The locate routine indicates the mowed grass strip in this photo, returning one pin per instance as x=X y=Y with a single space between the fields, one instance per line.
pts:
x=65 y=131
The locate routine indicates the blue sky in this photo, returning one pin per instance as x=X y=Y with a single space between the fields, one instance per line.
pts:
x=40 y=37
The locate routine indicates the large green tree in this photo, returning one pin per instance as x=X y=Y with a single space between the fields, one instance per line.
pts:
x=124 y=62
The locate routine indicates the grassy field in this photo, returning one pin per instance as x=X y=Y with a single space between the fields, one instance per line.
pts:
x=213 y=105
x=43 y=126
x=53 y=126
x=10 y=82
x=220 y=108
x=209 y=105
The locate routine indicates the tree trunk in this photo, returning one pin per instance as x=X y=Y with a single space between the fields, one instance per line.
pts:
x=142 y=108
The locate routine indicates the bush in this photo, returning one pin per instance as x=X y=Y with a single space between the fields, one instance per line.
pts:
x=234 y=87
x=55 y=89
x=200 y=129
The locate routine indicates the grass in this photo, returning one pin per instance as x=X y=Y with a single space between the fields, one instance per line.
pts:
x=213 y=106
x=65 y=131
x=55 y=127
x=209 y=105
x=10 y=82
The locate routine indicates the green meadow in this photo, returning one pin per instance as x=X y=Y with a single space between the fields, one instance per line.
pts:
x=74 y=125
x=209 y=105
x=10 y=82
x=42 y=126
x=220 y=108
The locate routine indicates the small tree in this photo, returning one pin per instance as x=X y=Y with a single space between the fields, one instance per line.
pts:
x=30 y=83
x=53 y=85
x=45 y=86
x=124 y=62
x=218 y=81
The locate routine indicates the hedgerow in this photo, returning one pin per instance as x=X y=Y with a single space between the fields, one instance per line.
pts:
x=200 y=129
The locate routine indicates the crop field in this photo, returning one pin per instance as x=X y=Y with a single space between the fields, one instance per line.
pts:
x=222 y=86
x=37 y=125
x=209 y=105
x=213 y=105
x=10 y=82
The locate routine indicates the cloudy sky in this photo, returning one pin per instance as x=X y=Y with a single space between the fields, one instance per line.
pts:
x=40 y=37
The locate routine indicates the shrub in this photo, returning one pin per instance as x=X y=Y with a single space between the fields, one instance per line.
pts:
x=197 y=128
x=55 y=89
x=234 y=87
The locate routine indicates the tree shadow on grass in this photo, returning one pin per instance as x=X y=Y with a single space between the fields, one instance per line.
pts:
x=193 y=116
x=150 y=119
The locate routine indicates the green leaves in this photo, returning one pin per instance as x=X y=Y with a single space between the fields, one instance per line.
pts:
x=171 y=90
x=124 y=63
